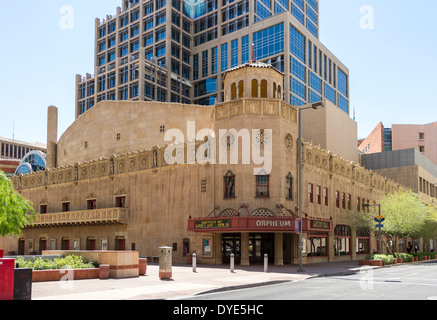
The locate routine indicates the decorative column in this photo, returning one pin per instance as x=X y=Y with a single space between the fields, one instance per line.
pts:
x=279 y=253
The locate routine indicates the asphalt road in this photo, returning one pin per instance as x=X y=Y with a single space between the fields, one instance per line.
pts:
x=400 y=282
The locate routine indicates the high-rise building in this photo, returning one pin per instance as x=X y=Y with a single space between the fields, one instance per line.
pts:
x=178 y=51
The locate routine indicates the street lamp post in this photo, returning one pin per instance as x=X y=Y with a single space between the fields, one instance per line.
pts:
x=316 y=105
x=366 y=205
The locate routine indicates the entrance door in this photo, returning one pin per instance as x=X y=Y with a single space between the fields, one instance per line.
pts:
x=120 y=244
x=65 y=244
x=21 y=246
x=91 y=244
x=231 y=243
x=259 y=245
x=42 y=245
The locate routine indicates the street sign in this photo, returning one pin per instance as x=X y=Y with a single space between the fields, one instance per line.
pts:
x=380 y=226
x=379 y=219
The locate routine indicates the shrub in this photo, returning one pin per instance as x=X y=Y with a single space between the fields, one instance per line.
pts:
x=404 y=256
x=69 y=262
x=386 y=258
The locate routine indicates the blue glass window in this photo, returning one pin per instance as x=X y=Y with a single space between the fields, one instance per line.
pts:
x=102 y=60
x=281 y=6
x=315 y=83
x=298 y=14
x=262 y=10
x=160 y=50
x=148 y=40
x=295 y=101
x=298 y=70
x=36 y=161
x=206 y=86
x=205 y=63
x=214 y=60
x=224 y=57
x=196 y=66
x=342 y=83
x=312 y=27
x=234 y=53
x=313 y=4
x=299 y=3
x=298 y=89
x=269 y=42
x=314 y=97
x=330 y=93
x=24 y=169
x=160 y=34
x=297 y=44
x=343 y=103
x=312 y=15
x=245 y=49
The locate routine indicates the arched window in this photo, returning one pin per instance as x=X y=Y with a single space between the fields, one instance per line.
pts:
x=262 y=213
x=274 y=90
x=241 y=89
x=229 y=185
x=254 y=88
x=279 y=92
x=263 y=89
x=233 y=91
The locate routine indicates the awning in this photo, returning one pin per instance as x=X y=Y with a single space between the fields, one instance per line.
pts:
x=257 y=224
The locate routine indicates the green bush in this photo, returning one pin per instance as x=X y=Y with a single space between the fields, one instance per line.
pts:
x=419 y=255
x=386 y=258
x=404 y=256
x=69 y=262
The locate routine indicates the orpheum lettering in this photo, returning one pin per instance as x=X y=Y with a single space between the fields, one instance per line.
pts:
x=273 y=223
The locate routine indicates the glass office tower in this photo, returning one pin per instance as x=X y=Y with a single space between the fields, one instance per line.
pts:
x=178 y=50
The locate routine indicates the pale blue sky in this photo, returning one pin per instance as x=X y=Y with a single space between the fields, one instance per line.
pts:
x=392 y=68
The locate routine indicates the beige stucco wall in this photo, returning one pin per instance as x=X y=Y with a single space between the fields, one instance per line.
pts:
x=160 y=198
x=332 y=129
x=406 y=136
x=138 y=124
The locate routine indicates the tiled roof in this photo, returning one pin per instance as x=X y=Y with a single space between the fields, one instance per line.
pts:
x=253 y=64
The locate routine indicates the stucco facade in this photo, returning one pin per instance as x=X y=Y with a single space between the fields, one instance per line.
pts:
x=112 y=187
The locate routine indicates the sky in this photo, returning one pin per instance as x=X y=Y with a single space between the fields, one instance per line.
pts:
x=388 y=46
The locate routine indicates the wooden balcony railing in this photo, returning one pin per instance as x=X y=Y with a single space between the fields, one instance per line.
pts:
x=85 y=217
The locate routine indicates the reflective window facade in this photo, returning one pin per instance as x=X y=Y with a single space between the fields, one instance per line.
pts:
x=193 y=40
x=33 y=161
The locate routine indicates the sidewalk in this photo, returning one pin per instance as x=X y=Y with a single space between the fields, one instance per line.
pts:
x=183 y=283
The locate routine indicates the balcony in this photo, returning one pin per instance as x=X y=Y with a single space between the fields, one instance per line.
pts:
x=82 y=218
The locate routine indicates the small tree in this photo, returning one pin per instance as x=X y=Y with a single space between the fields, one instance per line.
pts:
x=15 y=211
x=405 y=216
x=429 y=229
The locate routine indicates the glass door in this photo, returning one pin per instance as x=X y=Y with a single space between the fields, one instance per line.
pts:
x=231 y=244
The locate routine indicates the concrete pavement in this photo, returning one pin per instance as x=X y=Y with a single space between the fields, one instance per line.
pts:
x=184 y=282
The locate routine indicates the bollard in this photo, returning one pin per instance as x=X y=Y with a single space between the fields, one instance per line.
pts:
x=266 y=262
x=165 y=263
x=194 y=262
x=232 y=262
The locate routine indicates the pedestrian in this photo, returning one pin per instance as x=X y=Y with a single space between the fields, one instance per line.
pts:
x=409 y=248
x=416 y=248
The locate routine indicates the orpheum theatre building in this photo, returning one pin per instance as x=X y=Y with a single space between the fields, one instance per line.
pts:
x=111 y=185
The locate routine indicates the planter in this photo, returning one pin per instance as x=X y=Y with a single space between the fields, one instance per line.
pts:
x=142 y=266
x=415 y=258
x=399 y=260
x=64 y=274
x=372 y=263
x=104 y=271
